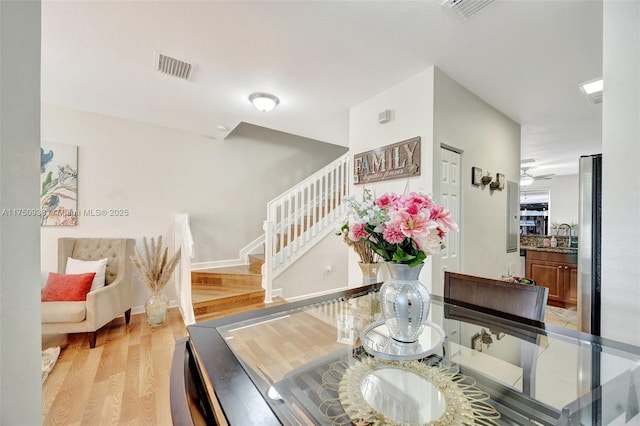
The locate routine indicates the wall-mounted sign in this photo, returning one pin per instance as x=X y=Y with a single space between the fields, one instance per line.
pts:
x=394 y=161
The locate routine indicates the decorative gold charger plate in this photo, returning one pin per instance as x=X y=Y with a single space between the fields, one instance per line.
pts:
x=373 y=391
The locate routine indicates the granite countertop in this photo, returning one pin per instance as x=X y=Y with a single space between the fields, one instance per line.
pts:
x=551 y=249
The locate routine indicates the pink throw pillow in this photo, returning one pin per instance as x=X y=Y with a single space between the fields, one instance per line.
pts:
x=67 y=287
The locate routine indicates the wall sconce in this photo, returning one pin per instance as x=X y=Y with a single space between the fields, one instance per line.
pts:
x=486 y=180
x=477 y=179
x=498 y=183
x=484 y=337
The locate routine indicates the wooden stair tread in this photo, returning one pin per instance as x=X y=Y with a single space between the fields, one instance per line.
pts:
x=226 y=270
x=227 y=302
x=232 y=276
x=199 y=295
x=258 y=257
x=233 y=310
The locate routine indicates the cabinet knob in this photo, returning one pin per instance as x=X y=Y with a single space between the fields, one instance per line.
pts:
x=566 y=267
x=560 y=267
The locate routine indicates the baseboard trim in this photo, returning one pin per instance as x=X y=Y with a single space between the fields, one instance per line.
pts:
x=135 y=310
x=217 y=264
x=320 y=293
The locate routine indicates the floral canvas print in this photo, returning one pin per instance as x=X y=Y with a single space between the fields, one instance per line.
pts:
x=58 y=184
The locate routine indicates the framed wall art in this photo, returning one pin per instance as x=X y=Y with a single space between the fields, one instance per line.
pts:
x=476 y=176
x=395 y=161
x=58 y=184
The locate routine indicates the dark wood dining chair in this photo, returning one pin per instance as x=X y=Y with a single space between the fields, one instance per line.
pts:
x=516 y=302
x=526 y=301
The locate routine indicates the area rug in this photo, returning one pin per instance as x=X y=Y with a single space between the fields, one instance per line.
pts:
x=49 y=358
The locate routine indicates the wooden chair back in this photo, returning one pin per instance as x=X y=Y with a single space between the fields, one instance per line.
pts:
x=517 y=300
x=526 y=301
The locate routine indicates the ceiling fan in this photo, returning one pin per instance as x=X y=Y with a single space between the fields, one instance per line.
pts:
x=526 y=178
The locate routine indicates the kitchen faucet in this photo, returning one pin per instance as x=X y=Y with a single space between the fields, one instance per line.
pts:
x=570 y=231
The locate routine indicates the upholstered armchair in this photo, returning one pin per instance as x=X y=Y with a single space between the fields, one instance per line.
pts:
x=103 y=304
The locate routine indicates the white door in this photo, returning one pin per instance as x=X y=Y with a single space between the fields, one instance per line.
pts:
x=450 y=175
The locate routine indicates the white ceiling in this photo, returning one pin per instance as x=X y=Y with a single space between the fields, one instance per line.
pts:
x=526 y=58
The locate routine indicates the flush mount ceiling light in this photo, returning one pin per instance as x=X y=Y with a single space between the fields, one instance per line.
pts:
x=264 y=101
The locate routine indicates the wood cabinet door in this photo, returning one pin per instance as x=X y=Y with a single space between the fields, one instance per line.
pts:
x=550 y=275
x=571 y=285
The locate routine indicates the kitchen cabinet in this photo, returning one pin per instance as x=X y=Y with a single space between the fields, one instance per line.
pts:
x=556 y=271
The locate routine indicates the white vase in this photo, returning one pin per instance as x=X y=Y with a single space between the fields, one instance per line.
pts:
x=405 y=302
x=156 y=309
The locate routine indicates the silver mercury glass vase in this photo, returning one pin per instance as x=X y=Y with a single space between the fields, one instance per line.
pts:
x=405 y=302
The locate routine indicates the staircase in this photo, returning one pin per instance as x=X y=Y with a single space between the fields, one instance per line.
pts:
x=296 y=221
x=220 y=292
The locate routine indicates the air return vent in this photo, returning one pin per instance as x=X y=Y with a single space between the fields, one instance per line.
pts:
x=173 y=67
x=465 y=9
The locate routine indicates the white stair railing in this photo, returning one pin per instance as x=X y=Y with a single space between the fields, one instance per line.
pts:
x=184 y=240
x=302 y=216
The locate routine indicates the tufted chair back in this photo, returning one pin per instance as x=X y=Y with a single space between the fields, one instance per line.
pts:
x=117 y=250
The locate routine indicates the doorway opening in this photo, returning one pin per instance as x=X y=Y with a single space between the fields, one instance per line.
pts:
x=534 y=211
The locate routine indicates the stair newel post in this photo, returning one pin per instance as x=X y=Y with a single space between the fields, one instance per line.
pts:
x=269 y=250
x=183 y=240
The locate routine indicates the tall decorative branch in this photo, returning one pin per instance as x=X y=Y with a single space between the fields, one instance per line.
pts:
x=155 y=268
x=362 y=247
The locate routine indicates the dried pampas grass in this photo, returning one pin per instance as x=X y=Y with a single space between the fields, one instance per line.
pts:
x=155 y=268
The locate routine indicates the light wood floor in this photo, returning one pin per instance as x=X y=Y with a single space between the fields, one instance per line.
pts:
x=124 y=380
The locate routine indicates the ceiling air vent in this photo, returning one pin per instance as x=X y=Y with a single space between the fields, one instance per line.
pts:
x=465 y=9
x=173 y=67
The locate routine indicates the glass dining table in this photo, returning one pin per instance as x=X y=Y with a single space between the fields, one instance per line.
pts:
x=329 y=360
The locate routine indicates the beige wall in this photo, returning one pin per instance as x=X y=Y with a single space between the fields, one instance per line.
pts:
x=440 y=111
x=157 y=172
x=322 y=269
x=490 y=140
x=411 y=103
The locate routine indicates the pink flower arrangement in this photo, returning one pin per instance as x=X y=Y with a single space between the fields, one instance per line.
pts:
x=400 y=229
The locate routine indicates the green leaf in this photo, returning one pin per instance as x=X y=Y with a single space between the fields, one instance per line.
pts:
x=400 y=256
x=418 y=259
x=48 y=184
